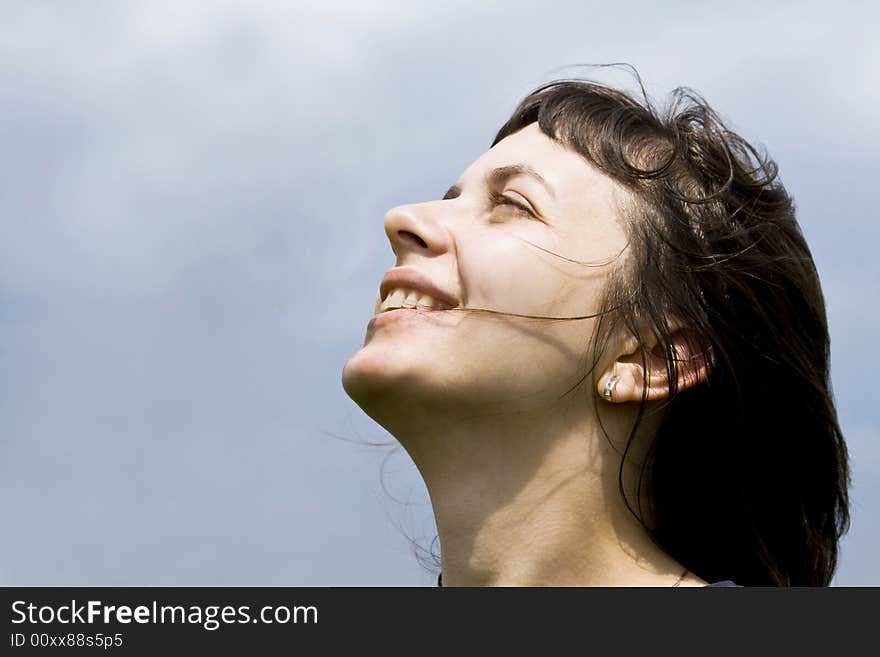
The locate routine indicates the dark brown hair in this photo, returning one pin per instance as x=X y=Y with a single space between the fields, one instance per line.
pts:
x=747 y=477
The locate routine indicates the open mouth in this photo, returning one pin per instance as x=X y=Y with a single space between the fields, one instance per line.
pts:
x=405 y=298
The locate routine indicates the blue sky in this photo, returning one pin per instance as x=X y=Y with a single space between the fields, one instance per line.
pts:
x=191 y=239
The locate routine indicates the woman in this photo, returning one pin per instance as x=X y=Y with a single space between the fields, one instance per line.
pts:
x=606 y=351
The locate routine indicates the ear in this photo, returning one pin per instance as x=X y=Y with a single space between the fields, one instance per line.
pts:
x=627 y=376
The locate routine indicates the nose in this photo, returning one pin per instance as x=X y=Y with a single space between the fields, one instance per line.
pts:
x=416 y=228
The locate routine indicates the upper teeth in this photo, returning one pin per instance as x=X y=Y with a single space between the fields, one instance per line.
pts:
x=403 y=298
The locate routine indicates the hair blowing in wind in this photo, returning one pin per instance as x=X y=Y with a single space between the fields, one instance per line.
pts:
x=747 y=477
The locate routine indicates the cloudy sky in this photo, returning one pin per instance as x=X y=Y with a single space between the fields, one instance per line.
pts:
x=191 y=240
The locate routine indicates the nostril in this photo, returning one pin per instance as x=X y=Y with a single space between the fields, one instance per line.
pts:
x=406 y=235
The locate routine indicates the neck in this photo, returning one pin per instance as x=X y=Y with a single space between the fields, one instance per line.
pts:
x=531 y=499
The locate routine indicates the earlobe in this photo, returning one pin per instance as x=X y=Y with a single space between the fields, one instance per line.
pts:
x=610 y=384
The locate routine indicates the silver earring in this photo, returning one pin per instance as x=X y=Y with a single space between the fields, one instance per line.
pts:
x=610 y=384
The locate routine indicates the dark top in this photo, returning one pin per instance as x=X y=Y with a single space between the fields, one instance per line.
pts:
x=725 y=582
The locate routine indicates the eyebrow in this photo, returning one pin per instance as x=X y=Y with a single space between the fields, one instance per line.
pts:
x=500 y=175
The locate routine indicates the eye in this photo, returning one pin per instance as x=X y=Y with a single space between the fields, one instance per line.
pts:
x=502 y=199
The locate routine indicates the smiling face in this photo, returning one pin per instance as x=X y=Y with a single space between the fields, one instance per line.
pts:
x=485 y=245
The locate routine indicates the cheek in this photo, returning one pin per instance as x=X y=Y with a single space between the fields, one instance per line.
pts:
x=503 y=274
x=509 y=275
x=524 y=356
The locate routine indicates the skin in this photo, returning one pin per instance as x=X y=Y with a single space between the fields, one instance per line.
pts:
x=522 y=481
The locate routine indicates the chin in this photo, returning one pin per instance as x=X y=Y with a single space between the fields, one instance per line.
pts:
x=374 y=376
x=381 y=390
x=391 y=382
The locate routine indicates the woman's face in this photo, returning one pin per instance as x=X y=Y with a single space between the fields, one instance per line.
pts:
x=473 y=245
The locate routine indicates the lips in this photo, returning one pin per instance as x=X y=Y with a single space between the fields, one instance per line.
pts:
x=413 y=279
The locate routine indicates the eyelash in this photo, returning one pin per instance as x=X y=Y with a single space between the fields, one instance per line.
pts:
x=501 y=199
